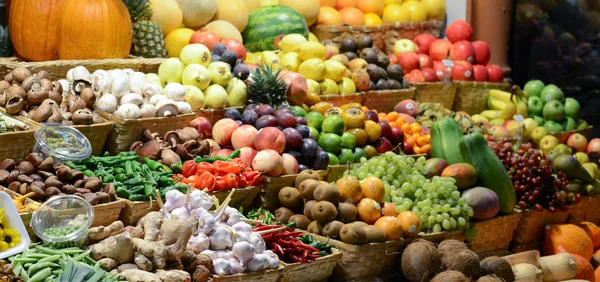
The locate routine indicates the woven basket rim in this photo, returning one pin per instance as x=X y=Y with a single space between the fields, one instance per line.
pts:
x=121 y=121
x=20 y=62
x=384 y=26
x=411 y=88
x=336 y=254
x=340 y=95
x=267 y=272
x=219 y=110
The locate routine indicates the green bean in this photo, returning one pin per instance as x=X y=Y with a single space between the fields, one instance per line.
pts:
x=25 y=260
x=17 y=269
x=57 y=271
x=28 y=265
x=49 y=278
x=82 y=256
x=41 y=275
x=48 y=251
x=51 y=258
x=37 y=255
x=24 y=274
x=41 y=265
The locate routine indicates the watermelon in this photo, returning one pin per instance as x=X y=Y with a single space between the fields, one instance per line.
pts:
x=267 y=23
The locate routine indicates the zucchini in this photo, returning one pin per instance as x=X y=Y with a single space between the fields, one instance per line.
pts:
x=475 y=151
x=445 y=135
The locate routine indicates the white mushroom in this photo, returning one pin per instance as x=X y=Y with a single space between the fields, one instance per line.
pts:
x=80 y=73
x=107 y=103
x=128 y=111
x=166 y=108
x=154 y=99
x=128 y=71
x=66 y=86
x=137 y=81
x=120 y=86
x=151 y=89
x=69 y=75
x=117 y=73
x=183 y=107
x=147 y=111
x=101 y=83
x=132 y=98
x=175 y=91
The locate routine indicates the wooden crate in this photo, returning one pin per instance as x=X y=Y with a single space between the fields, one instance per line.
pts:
x=96 y=134
x=242 y=197
x=105 y=214
x=472 y=97
x=533 y=223
x=436 y=92
x=339 y=100
x=10 y=148
x=133 y=211
x=445 y=235
x=384 y=101
x=271 y=186
x=214 y=115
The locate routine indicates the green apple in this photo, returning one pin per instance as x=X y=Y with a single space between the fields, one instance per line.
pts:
x=569 y=124
x=538 y=133
x=529 y=124
x=563 y=149
x=582 y=124
x=535 y=105
x=533 y=88
x=170 y=70
x=554 y=110
x=348 y=140
x=553 y=126
x=236 y=93
x=539 y=120
x=552 y=92
x=572 y=108
x=314 y=131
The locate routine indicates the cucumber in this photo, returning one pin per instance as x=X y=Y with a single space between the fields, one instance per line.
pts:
x=475 y=151
x=445 y=135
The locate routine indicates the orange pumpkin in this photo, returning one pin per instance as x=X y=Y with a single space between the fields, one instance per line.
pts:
x=568 y=238
x=94 y=29
x=593 y=231
x=410 y=222
x=585 y=270
x=597 y=274
x=33 y=28
x=390 y=225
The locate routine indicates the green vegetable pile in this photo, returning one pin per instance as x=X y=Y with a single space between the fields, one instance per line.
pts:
x=39 y=263
x=134 y=179
x=261 y=214
x=308 y=239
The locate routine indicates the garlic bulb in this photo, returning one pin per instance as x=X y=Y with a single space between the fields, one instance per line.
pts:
x=175 y=91
x=107 y=103
x=128 y=111
x=120 y=86
x=132 y=98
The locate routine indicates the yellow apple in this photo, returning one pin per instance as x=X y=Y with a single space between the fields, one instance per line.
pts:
x=538 y=133
x=389 y=2
x=497 y=121
x=436 y=9
x=548 y=143
x=417 y=11
x=582 y=157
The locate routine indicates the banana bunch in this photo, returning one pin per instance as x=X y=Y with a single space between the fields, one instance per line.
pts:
x=504 y=105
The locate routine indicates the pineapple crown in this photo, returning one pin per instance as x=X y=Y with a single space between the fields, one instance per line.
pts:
x=139 y=10
x=266 y=87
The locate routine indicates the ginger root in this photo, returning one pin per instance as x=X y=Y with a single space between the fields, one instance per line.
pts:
x=126 y=266
x=118 y=247
x=174 y=276
x=136 y=275
x=176 y=233
x=152 y=224
x=107 y=264
x=99 y=233
x=142 y=262
x=155 y=251
x=136 y=232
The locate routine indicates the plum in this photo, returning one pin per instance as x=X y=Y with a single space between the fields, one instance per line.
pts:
x=321 y=161
x=309 y=148
x=304 y=131
x=264 y=110
x=286 y=120
x=301 y=120
x=233 y=114
x=249 y=117
x=265 y=121
x=293 y=138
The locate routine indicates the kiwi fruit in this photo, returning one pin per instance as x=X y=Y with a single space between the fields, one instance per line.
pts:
x=307 y=188
x=306 y=174
x=290 y=198
x=283 y=215
x=327 y=192
x=315 y=228
x=374 y=234
x=307 y=209
x=332 y=229
x=346 y=212
x=360 y=223
x=323 y=212
x=301 y=221
x=353 y=234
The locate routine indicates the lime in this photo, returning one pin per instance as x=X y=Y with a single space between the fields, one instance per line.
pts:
x=333 y=124
x=358 y=154
x=333 y=159
x=298 y=111
x=330 y=142
x=346 y=156
x=348 y=140
x=314 y=131
x=314 y=119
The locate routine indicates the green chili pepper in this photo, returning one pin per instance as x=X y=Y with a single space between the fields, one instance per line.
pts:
x=128 y=168
x=88 y=173
x=156 y=166
x=137 y=197
x=176 y=167
x=234 y=154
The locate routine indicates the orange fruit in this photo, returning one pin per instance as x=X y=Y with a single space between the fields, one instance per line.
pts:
x=372 y=20
x=412 y=140
x=394 y=124
x=417 y=150
x=395 y=13
x=373 y=130
x=392 y=116
x=329 y=17
x=406 y=128
x=415 y=127
x=421 y=141
x=352 y=16
x=372 y=188
x=341 y=4
x=328 y=3
x=426 y=148
x=371 y=6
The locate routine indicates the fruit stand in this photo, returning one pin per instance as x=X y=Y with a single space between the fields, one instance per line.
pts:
x=317 y=140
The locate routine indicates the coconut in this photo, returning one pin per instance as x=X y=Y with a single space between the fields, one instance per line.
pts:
x=465 y=261
x=492 y=278
x=497 y=266
x=451 y=246
x=420 y=261
x=450 y=276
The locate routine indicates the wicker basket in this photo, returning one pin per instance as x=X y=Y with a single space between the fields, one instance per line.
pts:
x=105 y=214
x=533 y=223
x=365 y=261
x=335 y=172
x=445 y=235
x=315 y=271
x=96 y=134
x=384 y=101
x=214 y=115
x=58 y=69
x=262 y=276
x=339 y=100
x=563 y=136
x=9 y=149
x=271 y=185
x=127 y=131
x=243 y=197
x=585 y=210
x=472 y=97
x=494 y=234
x=133 y=211
x=384 y=36
x=25 y=217
x=436 y=92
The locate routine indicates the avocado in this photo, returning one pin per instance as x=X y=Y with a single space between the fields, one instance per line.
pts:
x=572 y=168
x=553 y=154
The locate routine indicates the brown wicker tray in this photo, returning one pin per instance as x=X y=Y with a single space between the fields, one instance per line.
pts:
x=444 y=235
x=133 y=211
x=270 y=275
x=494 y=234
x=533 y=223
x=585 y=210
x=17 y=145
x=315 y=271
x=96 y=134
x=242 y=197
x=214 y=115
x=563 y=136
x=105 y=214
x=127 y=131
x=271 y=185
x=384 y=101
x=335 y=172
x=472 y=97
x=436 y=92
x=384 y=36
x=339 y=100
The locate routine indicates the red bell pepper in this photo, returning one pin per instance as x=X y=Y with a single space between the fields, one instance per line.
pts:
x=231 y=181
x=242 y=183
x=205 y=180
x=220 y=183
x=253 y=177
x=224 y=168
x=189 y=180
x=189 y=168
x=205 y=167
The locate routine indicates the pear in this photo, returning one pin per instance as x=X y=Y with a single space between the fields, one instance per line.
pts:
x=194 y=97
x=329 y=86
x=215 y=97
x=572 y=168
x=347 y=86
x=313 y=87
x=312 y=69
x=236 y=93
x=196 y=75
x=152 y=77
x=334 y=70
x=170 y=70
x=220 y=73
x=290 y=61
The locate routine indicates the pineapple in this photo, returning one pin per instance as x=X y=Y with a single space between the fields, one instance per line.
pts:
x=6 y=48
x=267 y=87
x=148 y=40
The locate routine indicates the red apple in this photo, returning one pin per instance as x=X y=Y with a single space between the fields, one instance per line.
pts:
x=407 y=148
x=425 y=61
x=429 y=74
x=462 y=51
x=459 y=30
x=594 y=146
x=440 y=49
x=578 y=142
x=423 y=42
x=386 y=129
x=397 y=136
x=437 y=64
x=416 y=76
x=480 y=72
x=462 y=70
x=495 y=73
x=482 y=52
x=408 y=61
x=440 y=70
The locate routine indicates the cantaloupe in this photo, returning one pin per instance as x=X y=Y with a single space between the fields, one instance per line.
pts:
x=225 y=30
x=232 y=11
x=167 y=14
x=197 y=13
x=309 y=9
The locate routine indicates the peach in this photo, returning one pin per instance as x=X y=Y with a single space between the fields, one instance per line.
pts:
x=247 y=154
x=270 y=138
x=222 y=131
x=222 y=153
x=290 y=164
x=244 y=137
x=268 y=162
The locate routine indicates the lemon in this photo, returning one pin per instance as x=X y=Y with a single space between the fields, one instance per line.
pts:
x=329 y=86
x=253 y=58
x=271 y=58
x=311 y=50
x=347 y=86
x=291 y=42
x=372 y=20
x=395 y=13
x=436 y=9
x=264 y=3
x=178 y=39
x=334 y=70
x=313 y=87
x=312 y=37
x=388 y=2
x=290 y=61
x=312 y=69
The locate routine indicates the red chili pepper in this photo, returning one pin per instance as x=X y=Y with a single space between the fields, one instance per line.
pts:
x=205 y=180
x=224 y=168
x=189 y=168
x=231 y=181
x=189 y=180
x=220 y=183
x=205 y=167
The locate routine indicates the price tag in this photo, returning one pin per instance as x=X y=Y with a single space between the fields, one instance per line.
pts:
x=448 y=63
x=548 y=98
x=409 y=106
x=518 y=118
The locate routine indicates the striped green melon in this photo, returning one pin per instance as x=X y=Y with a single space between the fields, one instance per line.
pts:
x=266 y=23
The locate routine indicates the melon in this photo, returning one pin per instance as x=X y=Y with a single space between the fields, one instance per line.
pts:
x=309 y=9
x=225 y=30
x=252 y=5
x=267 y=23
x=197 y=13
x=167 y=14
x=232 y=11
